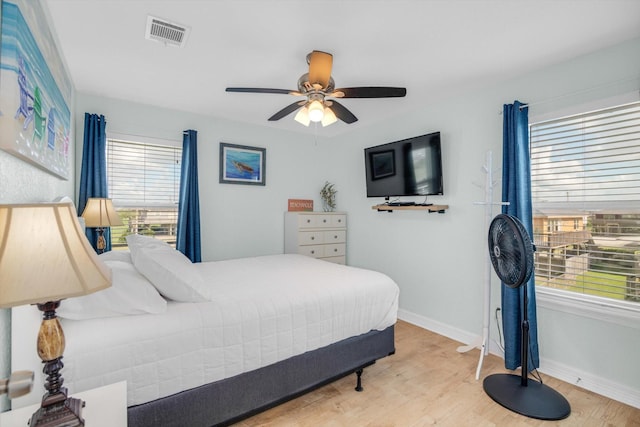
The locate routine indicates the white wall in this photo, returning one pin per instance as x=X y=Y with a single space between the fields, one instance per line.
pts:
x=236 y=220
x=439 y=260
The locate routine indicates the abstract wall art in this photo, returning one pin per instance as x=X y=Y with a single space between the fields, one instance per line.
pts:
x=35 y=90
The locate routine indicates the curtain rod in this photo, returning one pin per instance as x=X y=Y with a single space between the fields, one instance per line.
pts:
x=581 y=92
x=522 y=105
x=174 y=140
x=177 y=135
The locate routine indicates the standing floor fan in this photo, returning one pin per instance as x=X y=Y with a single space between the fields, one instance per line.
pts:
x=511 y=253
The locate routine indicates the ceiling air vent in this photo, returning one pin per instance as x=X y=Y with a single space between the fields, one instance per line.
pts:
x=163 y=31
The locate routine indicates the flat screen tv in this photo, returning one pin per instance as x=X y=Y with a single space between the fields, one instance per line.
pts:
x=410 y=167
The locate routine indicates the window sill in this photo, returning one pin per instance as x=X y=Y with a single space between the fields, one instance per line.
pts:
x=619 y=312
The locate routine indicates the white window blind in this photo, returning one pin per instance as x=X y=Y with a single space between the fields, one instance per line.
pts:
x=585 y=182
x=144 y=184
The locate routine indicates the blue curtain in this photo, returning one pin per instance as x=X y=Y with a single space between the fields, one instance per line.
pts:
x=93 y=174
x=516 y=189
x=188 y=239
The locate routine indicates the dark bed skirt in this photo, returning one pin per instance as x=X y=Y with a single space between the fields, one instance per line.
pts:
x=233 y=399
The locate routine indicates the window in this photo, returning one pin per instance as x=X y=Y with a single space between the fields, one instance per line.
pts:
x=585 y=181
x=553 y=225
x=144 y=183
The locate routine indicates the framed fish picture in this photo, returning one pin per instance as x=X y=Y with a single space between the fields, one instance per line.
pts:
x=241 y=164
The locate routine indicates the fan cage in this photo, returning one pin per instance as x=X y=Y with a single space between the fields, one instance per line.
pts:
x=510 y=250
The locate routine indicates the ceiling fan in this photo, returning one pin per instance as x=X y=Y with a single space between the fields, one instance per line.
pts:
x=316 y=86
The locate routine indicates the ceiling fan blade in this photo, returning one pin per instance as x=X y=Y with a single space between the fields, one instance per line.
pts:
x=286 y=111
x=261 y=90
x=320 y=64
x=342 y=113
x=371 y=92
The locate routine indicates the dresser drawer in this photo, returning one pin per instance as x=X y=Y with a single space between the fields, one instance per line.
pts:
x=316 y=251
x=311 y=237
x=338 y=249
x=339 y=220
x=322 y=220
x=307 y=221
x=318 y=237
x=334 y=236
x=323 y=251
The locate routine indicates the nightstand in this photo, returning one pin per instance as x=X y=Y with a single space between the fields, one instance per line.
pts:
x=104 y=407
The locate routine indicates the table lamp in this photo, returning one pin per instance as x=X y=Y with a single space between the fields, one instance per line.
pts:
x=99 y=213
x=44 y=258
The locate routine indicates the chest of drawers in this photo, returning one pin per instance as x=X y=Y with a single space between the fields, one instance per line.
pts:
x=320 y=235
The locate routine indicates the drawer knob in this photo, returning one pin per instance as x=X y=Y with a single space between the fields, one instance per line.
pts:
x=335 y=250
x=312 y=237
x=313 y=252
x=324 y=220
x=335 y=237
x=308 y=221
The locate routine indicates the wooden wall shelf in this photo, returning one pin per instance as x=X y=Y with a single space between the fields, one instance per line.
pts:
x=430 y=208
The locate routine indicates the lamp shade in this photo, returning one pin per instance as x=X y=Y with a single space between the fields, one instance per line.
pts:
x=316 y=111
x=303 y=116
x=45 y=256
x=99 y=212
x=329 y=117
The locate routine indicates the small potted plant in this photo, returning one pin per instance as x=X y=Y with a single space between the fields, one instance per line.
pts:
x=328 y=194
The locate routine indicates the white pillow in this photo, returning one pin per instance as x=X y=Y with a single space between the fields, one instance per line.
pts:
x=169 y=270
x=130 y=293
x=172 y=273
x=121 y=255
x=138 y=241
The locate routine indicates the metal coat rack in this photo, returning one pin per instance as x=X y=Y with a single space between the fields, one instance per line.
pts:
x=482 y=342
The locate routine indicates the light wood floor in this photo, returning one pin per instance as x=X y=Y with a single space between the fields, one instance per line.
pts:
x=427 y=382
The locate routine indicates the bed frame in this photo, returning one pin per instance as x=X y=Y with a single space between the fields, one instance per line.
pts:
x=230 y=400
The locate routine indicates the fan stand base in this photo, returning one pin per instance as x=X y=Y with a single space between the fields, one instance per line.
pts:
x=534 y=400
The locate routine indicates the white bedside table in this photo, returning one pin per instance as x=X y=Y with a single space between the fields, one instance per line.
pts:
x=104 y=407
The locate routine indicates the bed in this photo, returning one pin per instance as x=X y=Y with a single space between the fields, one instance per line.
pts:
x=215 y=342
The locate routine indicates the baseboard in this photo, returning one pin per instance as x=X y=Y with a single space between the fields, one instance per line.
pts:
x=586 y=380
x=591 y=382
x=460 y=335
x=437 y=327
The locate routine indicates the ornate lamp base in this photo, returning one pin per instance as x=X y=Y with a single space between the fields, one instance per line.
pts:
x=58 y=411
x=101 y=244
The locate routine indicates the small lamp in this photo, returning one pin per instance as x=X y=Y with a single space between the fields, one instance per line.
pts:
x=316 y=111
x=329 y=117
x=303 y=116
x=99 y=213
x=45 y=257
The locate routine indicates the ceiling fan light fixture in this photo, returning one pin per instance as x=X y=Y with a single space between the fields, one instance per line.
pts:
x=303 y=116
x=329 y=117
x=317 y=87
x=316 y=111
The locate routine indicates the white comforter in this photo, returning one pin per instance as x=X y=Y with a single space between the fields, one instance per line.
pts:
x=265 y=309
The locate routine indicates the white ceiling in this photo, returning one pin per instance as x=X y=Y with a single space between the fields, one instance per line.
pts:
x=431 y=47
